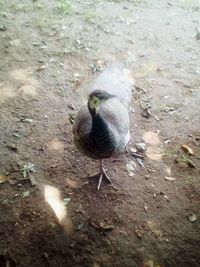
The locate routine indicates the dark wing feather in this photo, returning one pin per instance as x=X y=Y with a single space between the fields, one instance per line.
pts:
x=82 y=123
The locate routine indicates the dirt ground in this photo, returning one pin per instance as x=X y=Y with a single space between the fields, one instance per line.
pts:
x=50 y=52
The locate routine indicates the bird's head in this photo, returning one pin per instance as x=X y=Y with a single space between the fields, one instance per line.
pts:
x=96 y=98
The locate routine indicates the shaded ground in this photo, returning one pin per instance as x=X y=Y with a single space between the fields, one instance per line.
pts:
x=46 y=55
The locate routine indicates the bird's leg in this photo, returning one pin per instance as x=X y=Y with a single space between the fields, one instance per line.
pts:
x=103 y=175
x=126 y=149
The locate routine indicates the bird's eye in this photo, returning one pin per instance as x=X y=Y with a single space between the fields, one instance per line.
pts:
x=95 y=101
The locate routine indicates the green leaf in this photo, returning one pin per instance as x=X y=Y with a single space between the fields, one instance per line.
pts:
x=28 y=120
x=26 y=194
x=66 y=201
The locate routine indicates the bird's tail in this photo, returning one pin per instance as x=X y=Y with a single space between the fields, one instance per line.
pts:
x=117 y=80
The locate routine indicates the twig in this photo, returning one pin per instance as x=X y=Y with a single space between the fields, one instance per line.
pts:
x=137 y=155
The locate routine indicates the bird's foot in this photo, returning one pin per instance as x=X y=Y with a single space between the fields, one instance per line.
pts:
x=102 y=175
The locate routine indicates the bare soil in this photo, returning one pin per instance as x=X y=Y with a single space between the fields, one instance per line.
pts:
x=50 y=52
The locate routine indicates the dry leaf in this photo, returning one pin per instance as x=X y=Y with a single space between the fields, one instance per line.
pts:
x=42 y=67
x=71 y=118
x=104 y=225
x=133 y=150
x=3 y=179
x=166 y=197
x=187 y=149
x=28 y=120
x=139 y=231
x=145 y=207
x=169 y=178
x=131 y=168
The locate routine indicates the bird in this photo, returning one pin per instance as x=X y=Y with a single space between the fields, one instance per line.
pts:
x=101 y=126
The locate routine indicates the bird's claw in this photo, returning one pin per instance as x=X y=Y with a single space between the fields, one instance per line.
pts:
x=102 y=176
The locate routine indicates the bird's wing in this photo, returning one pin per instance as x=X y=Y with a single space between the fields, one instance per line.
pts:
x=117 y=81
x=112 y=111
x=82 y=123
x=116 y=115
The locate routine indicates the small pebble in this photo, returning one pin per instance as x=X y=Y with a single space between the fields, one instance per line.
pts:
x=192 y=218
x=140 y=147
x=3 y=28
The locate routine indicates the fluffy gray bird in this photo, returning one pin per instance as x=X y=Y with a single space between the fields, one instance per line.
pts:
x=101 y=127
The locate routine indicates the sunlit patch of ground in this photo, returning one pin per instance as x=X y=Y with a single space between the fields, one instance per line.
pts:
x=69 y=42
x=154 y=149
x=56 y=146
x=21 y=83
x=53 y=198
